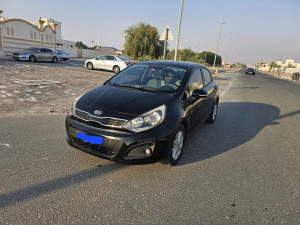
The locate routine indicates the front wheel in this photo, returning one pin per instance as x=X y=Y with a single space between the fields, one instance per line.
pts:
x=90 y=66
x=175 y=145
x=32 y=58
x=213 y=114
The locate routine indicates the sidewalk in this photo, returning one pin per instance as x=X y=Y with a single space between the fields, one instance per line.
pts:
x=284 y=76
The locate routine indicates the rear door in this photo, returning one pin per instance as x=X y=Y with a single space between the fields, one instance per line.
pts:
x=110 y=62
x=210 y=87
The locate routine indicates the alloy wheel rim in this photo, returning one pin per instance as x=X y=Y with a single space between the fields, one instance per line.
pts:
x=215 y=111
x=90 y=66
x=177 y=145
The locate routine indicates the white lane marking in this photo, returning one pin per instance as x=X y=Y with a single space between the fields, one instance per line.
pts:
x=223 y=93
x=6 y=145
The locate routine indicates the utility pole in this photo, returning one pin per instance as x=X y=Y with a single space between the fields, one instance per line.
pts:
x=165 y=46
x=218 y=44
x=178 y=31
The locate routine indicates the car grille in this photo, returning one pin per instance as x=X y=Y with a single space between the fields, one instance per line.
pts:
x=102 y=150
x=105 y=121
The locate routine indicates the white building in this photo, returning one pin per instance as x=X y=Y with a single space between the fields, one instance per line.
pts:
x=18 y=34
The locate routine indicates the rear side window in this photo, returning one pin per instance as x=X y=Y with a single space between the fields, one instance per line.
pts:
x=206 y=76
x=110 y=57
x=195 y=81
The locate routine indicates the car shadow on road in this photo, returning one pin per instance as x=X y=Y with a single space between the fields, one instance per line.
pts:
x=236 y=124
x=47 y=187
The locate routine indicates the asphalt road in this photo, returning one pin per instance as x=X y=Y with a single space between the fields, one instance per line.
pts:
x=243 y=169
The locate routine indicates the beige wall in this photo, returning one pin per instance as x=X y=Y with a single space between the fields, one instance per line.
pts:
x=17 y=34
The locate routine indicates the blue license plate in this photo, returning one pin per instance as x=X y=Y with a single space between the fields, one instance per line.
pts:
x=90 y=139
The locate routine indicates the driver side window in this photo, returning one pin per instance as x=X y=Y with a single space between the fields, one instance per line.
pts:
x=101 y=57
x=195 y=81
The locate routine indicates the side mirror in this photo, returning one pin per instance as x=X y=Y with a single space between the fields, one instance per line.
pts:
x=39 y=51
x=199 y=93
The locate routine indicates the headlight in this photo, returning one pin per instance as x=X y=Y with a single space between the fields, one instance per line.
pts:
x=72 y=110
x=147 y=120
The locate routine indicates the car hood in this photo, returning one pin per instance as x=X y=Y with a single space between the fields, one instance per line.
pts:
x=114 y=101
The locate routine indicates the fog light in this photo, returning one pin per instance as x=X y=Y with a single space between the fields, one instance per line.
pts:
x=148 y=151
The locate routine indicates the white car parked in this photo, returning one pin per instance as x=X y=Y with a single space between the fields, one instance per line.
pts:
x=114 y=63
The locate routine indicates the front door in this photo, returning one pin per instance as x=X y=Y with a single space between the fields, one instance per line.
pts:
x=193 y=105
x=99 y=62
x=40 y=55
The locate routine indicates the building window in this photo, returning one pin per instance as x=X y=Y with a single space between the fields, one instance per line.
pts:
x=31 y=33
x=7 y=31
x=12 y=31
x=47 y=37
x=34 y=35
x=71 y=46
x=50 y=38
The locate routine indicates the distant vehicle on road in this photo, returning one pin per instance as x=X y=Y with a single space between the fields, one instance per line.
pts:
x=114 y=63
x=63 y=55
x=36 y=54
x=146 y=111
x=250 y=71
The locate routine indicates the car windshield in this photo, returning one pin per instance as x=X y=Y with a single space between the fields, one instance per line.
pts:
x=32 y=49
x=155 y=78
x=250 y=69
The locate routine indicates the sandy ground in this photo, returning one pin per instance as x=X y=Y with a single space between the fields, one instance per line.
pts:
x=43 y=88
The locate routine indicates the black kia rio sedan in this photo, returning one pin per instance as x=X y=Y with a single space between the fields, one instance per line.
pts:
x=145 y=111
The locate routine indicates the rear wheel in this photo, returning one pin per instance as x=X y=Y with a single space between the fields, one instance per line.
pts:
x=116 y=69
x=213 y=114
x=32 y=58
x=54 y=60
x=90 y=66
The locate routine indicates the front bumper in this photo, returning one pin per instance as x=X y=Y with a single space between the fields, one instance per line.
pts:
x=117 y=145
x=21 y=57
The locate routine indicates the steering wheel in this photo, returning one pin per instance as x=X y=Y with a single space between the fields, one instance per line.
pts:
x=174 y=86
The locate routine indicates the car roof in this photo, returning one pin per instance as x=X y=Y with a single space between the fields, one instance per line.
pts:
x=172 y=63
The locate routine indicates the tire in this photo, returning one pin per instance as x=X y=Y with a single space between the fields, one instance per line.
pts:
x=32 y=59
x=116 y=69
x=175 y=145
x=213 y=114
x=90 y=66
x=54 y=60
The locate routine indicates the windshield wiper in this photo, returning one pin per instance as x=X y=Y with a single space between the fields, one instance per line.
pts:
x=139 y=88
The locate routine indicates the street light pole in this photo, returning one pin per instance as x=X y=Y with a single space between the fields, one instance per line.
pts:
x=218 y=44
x=178 y=31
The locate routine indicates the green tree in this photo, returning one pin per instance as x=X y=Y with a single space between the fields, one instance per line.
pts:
x=187 y=54
x=272 y=65
x=142 y=41
x=79 y=44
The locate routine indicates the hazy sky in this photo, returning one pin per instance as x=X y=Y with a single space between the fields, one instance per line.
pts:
x=255 y=30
